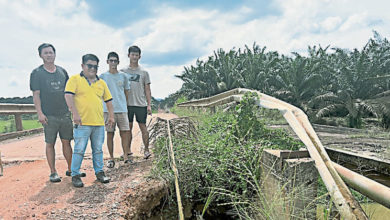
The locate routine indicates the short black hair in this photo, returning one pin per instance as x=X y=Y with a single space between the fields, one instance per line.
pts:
x=135 y=49
x=44 y=45
x=112 y=54
x=89 y=56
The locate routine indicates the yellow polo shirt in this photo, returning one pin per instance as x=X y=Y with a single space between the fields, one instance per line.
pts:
x=88 y=98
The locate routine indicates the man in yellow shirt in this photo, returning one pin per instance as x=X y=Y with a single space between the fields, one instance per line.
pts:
x=84 y=93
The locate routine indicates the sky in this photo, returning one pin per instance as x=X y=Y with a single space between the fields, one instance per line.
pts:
x=173 y=34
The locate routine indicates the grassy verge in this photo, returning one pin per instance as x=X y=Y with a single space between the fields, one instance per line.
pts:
x=220 y=166
x=9 y=125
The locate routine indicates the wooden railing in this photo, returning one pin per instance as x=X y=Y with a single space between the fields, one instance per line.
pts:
x=17 y=110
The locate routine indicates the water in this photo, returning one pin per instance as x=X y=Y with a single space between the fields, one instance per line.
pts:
x=374 y=211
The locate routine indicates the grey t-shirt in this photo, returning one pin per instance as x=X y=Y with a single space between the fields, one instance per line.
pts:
x=117 y=84
x=51 y=87
x=138 y=78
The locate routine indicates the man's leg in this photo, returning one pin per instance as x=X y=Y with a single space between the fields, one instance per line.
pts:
x=67 y=151
x=51 y=130
x=122 y=121
x=125 y=139
x=66 y=135
x=130 y=115
x=51 y=157
x=97 y=141
x=145 y=136
x=130 y=137
x=141 y=115
x=81 y=136
x=110 y=144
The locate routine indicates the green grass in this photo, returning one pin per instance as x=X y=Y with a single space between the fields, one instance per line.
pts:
x=31 y=124
x=9 y=125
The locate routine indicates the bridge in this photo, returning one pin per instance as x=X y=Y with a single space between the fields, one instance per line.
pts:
x=333 y=175
x=29 y=153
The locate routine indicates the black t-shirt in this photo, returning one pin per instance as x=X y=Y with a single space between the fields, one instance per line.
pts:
x=51 y=87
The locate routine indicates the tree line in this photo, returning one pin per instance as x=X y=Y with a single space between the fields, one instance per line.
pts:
x=324 y=82
x=17 y=100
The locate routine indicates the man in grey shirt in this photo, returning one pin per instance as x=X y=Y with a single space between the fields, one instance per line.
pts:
x=47 y=82
x=118 y=85
x=139 y=99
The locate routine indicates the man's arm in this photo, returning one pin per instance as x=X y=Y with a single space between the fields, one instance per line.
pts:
x=69 y=98
x=37 y=103
x=110 y=109
x=148 y=94
x=127 y=95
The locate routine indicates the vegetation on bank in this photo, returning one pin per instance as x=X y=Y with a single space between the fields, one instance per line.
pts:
x=352 y=84
x=219 y=168
x=222 y=163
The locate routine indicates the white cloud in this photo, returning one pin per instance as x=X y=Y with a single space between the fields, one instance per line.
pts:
x=163 y=81
x=355 y=21
x=331 y=23
x=68 y=25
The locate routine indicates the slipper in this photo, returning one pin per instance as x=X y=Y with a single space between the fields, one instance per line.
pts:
x=147 y=155
x=111 y=164
x=128 y=161
x=129 y=154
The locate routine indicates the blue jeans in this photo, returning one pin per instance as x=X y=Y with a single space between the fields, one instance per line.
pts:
x=81 y=135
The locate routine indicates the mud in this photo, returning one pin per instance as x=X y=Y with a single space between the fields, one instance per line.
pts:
x=373 y=142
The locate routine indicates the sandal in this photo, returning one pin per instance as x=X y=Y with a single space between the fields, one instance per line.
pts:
x=147 y=154
x=129 y=154
x=128 y=161
x=111 y=164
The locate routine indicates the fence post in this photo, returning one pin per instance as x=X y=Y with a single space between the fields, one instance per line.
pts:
x=18 y=122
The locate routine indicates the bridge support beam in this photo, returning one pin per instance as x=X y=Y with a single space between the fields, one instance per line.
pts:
x=289 y=183
x=18 y=122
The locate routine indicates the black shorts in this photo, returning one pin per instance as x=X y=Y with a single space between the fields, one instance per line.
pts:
x=58 y=125
x=139 y=112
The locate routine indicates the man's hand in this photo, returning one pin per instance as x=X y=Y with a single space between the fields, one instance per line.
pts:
x=76 y=119
x=42 y=119
x=110 y=122
x=149 y=109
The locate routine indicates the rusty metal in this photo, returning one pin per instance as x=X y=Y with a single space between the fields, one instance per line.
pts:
x=348 y=207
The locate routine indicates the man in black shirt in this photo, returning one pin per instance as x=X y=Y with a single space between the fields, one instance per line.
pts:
x=47 y=82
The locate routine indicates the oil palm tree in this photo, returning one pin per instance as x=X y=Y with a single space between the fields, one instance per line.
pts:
x=297 y=81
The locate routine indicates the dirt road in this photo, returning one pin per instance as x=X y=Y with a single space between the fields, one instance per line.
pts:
x=25 y=191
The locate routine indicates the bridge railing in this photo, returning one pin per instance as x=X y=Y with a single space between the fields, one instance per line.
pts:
x=346 y=204
x=17 y=110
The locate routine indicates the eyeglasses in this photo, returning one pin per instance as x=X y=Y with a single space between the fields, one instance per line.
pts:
x=90 y=66
x=113 y=61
